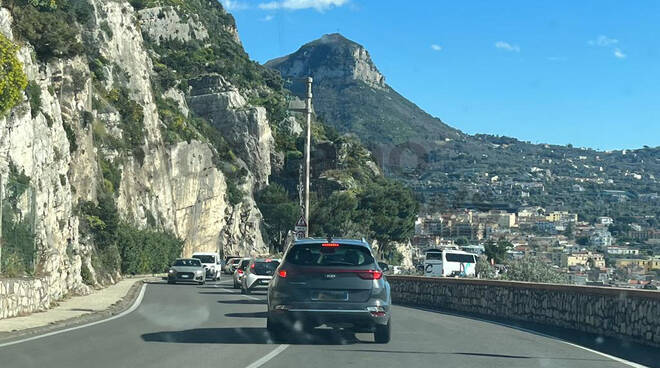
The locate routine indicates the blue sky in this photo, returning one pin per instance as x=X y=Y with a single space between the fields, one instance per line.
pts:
x=580 y=72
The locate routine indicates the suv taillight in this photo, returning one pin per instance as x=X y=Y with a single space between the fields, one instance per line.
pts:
x=282 y=273
x=370 y=275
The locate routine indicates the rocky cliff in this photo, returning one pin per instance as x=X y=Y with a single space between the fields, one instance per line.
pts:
x=182 y=155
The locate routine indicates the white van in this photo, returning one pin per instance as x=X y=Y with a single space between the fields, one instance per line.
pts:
x=439 y=262
x=211 y=263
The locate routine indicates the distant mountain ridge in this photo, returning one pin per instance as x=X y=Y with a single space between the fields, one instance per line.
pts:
x=351 y=94
x=447 y=167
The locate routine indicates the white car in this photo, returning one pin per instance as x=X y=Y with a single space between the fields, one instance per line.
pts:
x=240 y=271
x=258 y=273
x=231 y=265
x=211 y=263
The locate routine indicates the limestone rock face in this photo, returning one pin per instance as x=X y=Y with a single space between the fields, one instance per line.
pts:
x=175 y=186
x=164 y=23
x=332 y=57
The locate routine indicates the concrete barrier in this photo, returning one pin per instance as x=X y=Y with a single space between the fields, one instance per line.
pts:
x=623 y=313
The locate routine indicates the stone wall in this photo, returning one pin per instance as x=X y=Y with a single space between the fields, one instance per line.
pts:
x=622 y=313
x=23 y=296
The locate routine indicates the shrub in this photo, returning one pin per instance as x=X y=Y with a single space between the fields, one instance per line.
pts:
x=12 y=78
x=52 y=32
x=70 y=136
x=34 y=96
x=147 y=251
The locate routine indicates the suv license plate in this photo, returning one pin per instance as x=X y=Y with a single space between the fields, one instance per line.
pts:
x=331 y=296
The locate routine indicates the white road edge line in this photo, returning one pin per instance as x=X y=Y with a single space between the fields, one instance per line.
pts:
x=620 y=360
x=135 y=305
x=264 y=359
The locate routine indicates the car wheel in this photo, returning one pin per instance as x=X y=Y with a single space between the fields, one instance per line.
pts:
x=276 y=330
x=383 y=332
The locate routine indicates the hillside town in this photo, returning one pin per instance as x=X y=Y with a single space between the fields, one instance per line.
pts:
x=586 y=252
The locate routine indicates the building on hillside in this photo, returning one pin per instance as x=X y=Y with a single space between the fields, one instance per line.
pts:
x=593 y=260
x=622 y=251
x=561 y=216
x=648 y=264
x=604 y=220
x=601 y=238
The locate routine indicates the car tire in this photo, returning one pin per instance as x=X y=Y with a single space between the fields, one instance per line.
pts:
x=276 y=330
x=383 y=333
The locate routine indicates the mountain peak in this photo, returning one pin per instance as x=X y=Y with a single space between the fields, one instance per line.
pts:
x=331 y=58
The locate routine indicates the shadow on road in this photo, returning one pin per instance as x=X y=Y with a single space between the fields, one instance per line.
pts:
x=485 y=355
x=251 y=335
x=243 y=301
x=247 y=315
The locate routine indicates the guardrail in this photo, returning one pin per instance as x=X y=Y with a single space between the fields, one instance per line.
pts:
x=623 y=313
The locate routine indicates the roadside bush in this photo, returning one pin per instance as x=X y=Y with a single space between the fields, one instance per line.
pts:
x=12 y=78
x=147 y=251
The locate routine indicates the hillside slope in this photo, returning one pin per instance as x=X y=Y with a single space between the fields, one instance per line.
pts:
x=448 y=168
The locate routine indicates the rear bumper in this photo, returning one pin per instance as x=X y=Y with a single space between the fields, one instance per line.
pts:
x=359 y=319
x=254 y=282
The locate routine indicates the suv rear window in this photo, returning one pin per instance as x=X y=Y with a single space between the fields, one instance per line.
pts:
x=265 y=268
x=341 y=255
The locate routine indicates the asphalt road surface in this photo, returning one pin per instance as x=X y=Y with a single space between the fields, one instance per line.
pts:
x=215 y=326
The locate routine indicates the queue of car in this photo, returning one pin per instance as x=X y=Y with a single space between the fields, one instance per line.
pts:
x=333 y=282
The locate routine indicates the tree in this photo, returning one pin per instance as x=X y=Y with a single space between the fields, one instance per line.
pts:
x=497 y=250
x=462 y=241
x=12 y=78
x=568 y=232
x=279 y=211
x=390 y=209
x=533 y=269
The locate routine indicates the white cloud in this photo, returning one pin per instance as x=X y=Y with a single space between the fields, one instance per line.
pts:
x=267 y=18
x=507 y=46
x=609 y=43
x=603 y=41
x=435 y=47
x=234 y=5
x=619 y=54
x=319 y=5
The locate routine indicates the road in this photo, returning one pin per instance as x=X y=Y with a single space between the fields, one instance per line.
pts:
x=215 y=326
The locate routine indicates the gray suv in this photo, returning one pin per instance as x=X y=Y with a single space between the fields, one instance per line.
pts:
x=336 y=282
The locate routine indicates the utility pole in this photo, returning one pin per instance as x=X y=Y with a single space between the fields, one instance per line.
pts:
x=308 y=107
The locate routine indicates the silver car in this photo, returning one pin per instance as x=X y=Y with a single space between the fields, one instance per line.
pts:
x=240 y=271
x=258 y=273
x=186 y=270
x=333 y=282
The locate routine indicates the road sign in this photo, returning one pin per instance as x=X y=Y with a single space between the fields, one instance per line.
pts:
x=300 y=229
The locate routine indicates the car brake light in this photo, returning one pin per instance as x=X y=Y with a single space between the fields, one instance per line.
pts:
x=332 y=245
x=370 y=275
x=282 y=273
